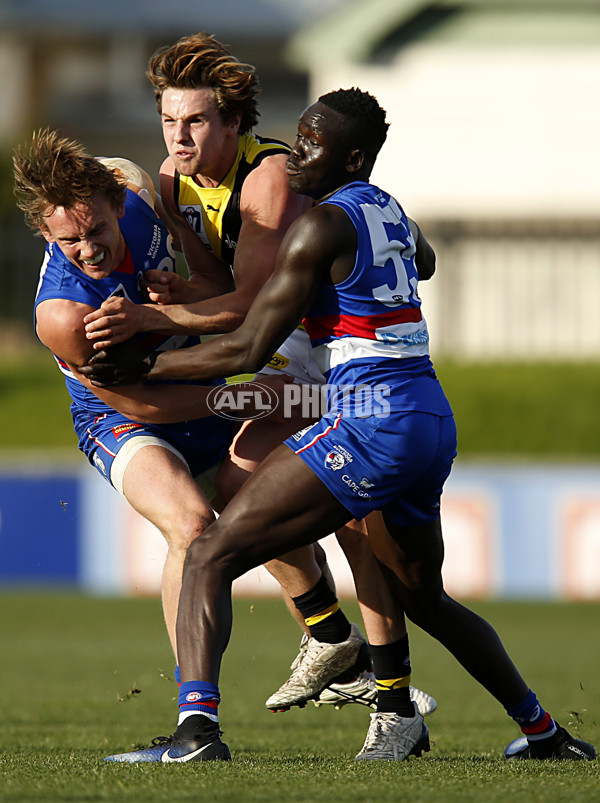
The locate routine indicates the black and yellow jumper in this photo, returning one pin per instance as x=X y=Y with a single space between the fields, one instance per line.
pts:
x=214 y=212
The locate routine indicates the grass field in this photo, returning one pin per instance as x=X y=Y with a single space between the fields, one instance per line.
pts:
x=73 y=665
x=70 y=664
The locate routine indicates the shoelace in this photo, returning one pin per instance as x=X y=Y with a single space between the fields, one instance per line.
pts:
x=315 y=648
x=158 y=740
x=376 y=736
x=301 y=653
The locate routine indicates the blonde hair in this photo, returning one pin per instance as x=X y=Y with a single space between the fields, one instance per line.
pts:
x=200 y=60
x=54 y=171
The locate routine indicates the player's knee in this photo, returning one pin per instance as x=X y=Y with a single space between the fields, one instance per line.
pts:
x=424 y=605
x=187 y=528
x=214 y=553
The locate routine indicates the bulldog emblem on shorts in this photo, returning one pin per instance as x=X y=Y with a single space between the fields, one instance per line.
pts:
x=337 y=458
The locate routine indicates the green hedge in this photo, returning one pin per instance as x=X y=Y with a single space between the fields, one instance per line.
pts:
x=539 y=411
x=531 y=410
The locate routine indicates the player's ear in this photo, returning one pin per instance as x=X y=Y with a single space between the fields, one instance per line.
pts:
x=233 y=123
x=355 y=161
x=46 y=234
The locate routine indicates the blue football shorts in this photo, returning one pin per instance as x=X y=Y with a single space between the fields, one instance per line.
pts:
x=397 y=464
x=109 y=441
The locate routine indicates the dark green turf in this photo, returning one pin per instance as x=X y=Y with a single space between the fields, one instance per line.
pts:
x=71 y=663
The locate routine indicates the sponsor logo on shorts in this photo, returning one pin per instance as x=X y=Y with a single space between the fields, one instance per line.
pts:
x=246 y=403
x=297 y=436
x=99 y=463
x=124 y=429
x=337 y=458
x=357 y=488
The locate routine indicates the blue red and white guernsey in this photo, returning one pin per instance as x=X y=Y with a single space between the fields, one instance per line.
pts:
x=370 y=327
x=148 y=247
x=388 y=439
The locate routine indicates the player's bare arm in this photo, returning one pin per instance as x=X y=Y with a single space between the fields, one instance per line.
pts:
x=267 y=208
x=424 y=255
x=208 y=276
x=60 y=328
x=320 y=246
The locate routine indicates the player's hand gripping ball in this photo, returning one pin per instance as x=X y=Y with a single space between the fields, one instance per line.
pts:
x=127 y=363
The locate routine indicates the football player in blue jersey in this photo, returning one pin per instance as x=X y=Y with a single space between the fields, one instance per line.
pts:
x=103 y=238
x=102 y=235
x=347 y=268
x=226 y=193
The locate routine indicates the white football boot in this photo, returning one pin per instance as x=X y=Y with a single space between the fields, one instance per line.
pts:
x=394 y=738
x=315 y=666
x=363 y=690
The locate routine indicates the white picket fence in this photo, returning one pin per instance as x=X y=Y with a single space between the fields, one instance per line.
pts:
x=514 y=291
